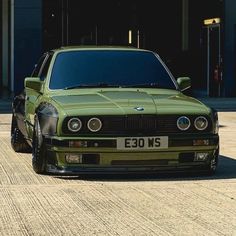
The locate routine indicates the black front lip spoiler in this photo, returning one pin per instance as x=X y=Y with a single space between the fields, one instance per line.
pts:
x=126 y=170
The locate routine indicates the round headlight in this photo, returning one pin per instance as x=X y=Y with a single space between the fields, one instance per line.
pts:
x=94 y=124
x=201 y=123
x=183 y=123
x=74 y=124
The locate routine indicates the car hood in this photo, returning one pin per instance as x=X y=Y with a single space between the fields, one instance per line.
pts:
x=129 y=102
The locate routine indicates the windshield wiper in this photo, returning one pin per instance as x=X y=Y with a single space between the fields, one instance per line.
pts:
x=147 y=85
x=97 y=85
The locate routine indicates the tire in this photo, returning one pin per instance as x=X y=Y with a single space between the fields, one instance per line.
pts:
x=38 y=151
x=212 y=167
x=18 y=142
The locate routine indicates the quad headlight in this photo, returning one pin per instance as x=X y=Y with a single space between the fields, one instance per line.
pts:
x=94 y=124
x=183 y=123
x=201 y=123
x=74 y=124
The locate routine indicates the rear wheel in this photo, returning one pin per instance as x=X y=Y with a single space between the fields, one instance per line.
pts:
x=18 y=142
x=39 y=152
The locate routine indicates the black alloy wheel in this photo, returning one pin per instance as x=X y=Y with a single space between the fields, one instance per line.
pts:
x=212 y=166
x=38 y=153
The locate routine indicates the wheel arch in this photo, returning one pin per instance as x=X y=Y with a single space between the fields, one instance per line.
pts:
x=47 y=116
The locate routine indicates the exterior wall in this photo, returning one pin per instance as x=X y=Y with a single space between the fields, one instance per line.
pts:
x=0 y=45
x=4 y=41
x=27 y=39
x=229 y=74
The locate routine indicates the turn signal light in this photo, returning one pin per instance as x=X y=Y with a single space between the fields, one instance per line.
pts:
x=78 y=144
x=201 y=142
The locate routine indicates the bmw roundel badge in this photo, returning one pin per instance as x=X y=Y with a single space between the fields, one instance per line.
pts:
x=139 y=108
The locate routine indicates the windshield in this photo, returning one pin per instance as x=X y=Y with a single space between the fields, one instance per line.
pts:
x=110 y=68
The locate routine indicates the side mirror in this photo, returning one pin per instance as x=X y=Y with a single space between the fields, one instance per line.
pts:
x=184 y=83
x=33 y=83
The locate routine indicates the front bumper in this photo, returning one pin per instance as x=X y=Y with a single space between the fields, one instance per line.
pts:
x=100 y=155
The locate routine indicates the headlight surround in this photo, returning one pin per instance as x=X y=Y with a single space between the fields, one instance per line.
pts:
x=94 y=124
x=74 y=124
x=183 y=123
x=201 y=123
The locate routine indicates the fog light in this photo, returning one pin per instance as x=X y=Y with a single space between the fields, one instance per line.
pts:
x=201 y=156
x=74 y=158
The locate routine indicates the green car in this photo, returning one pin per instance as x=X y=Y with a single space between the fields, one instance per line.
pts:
x=112 y=110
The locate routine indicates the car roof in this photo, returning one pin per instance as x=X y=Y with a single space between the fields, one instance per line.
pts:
x=98 y=48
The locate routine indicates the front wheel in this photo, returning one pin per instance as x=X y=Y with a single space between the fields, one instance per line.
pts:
x=213 y=163
x=38 y=152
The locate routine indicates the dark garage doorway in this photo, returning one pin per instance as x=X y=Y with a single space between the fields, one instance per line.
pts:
x=145 y=24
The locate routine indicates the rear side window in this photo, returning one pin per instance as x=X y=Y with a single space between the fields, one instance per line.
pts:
x=44 y=71
x=41 y=68
x=38 y=66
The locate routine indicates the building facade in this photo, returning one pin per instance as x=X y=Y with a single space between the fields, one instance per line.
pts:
x=175 y=29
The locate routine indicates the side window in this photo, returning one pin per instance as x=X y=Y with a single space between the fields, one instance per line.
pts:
x=44 y=70
x=38 y=66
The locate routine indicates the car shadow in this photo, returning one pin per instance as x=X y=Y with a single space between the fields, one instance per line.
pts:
x=226 y=170
x=222 y=126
